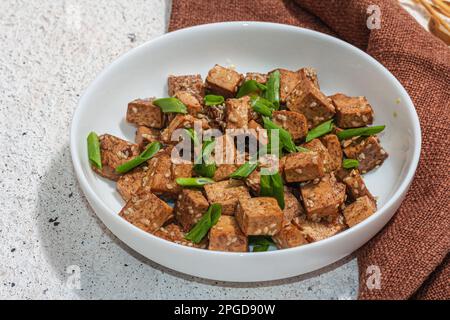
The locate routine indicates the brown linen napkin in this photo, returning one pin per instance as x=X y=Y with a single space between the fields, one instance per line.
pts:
x=412 y=250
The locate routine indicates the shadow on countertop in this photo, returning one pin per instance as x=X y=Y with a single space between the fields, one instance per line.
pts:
x=72 y=235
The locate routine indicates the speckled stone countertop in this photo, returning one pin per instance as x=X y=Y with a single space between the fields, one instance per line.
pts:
x=51 y=51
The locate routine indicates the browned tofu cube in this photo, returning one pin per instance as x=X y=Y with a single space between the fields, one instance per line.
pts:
x=145 y=136
x=223 y=81
x=190 y=207
x=237 y=113
x=288 y=81
x=227 y=236
x=355 y=186
x=226 y=193
x=309 y=74
x=368 y=152
x=191 y=101
x=142 y=112
x=216 y=114
x=146 y=211
x=323 y=199
x=331 y=142
x=352 y=112
x=316 y=231
x=289 y=237
x=317 y=146
x=253 y=181
x=114 y=152
x=303 y=166
x=258 y=77
x=292 y=207
x=129 y=183
x=178 y=122
x=190 y=83
x=259 y=216
x=162 y=173
x=307 y=99
x=173 y=233
x=295 y=123
x=223 y=171
x=359 y=210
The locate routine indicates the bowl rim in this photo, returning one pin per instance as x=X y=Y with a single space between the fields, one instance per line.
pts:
x=130 y=228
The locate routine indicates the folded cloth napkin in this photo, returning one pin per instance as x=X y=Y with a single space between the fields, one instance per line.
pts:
x=412 y=251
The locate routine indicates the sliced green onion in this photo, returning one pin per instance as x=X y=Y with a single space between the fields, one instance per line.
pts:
x=94 y=152
x=149 y=152
x=194 y=182
x=244 y=171
x=262 y=106
x=170 y=105
x=273 y=89
x=250 y=86
x=320 y=130
x=350 y=163
x=260 y=243
x=206 y=222
x=366 y=131
x=206 y=167
x=272 y=186
x=285 y=137
x=213 y=100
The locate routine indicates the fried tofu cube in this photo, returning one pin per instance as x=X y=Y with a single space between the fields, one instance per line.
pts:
x=237 y=113
x=178 y=122
x=289 y=237
x=129 y=183
x=303 y=166
x=323 y=199
x=309 y=74
x=146 y=211
x=359 y=210
x=352 y=112
x=288 y=81
x=316 y=231
x=114 y=152
x=227 y=193
x=317 y=146
x=227 y=236
x=191 y=205
x=292 y=207
x=253 y=181
x=259 y=216
x=355 y=186
x=173 y=233
x=225 y=156
x=190 y=83
x=223 y=81
x=223 y=171
x=295 y=123
x=258 y=77
x=162 y=174
x=145 y=136
x=368 y=152
x=191 y=101
x=331 y=142
x=142 y=112
x=307 y=99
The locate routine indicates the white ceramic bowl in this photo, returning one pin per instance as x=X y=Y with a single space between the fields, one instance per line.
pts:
x=250 y=47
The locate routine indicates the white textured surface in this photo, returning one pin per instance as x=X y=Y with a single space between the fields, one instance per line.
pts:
x=51 y=51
